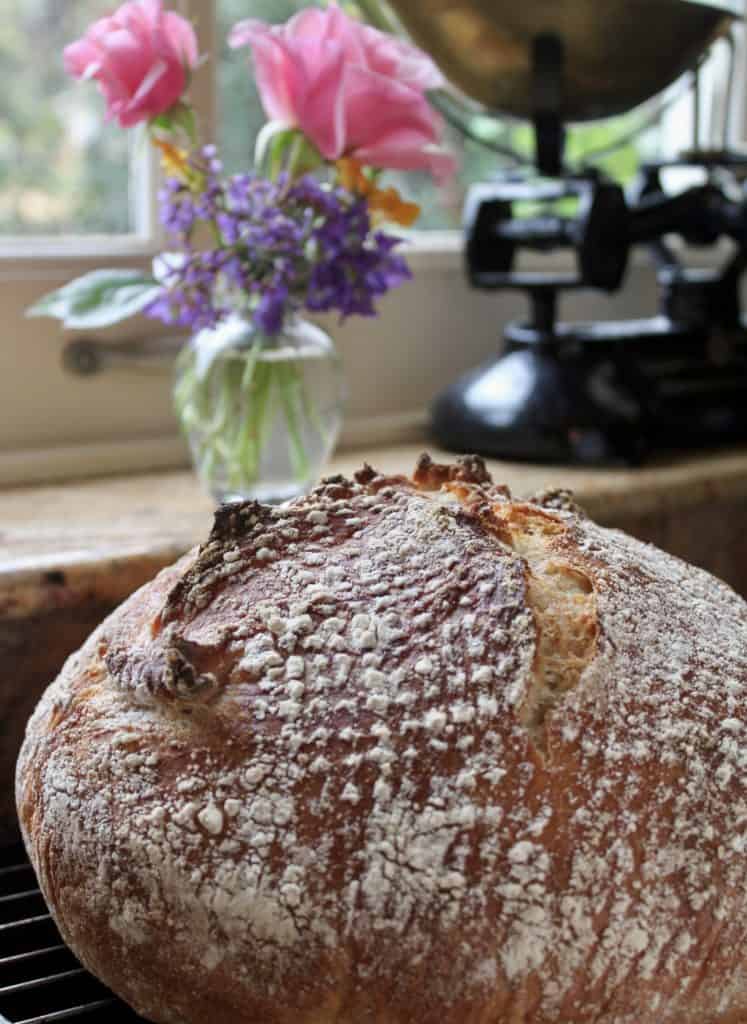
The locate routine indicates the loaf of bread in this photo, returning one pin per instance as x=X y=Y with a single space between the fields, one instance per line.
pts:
x=405 y=752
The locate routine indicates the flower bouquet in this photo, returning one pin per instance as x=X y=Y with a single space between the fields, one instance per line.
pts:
x=258 y=389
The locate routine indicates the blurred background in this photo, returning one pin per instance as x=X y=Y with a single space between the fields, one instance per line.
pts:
x=77 y=194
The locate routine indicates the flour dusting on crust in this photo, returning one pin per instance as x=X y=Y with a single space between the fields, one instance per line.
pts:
x=296 y=770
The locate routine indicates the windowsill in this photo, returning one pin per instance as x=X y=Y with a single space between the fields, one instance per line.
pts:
x=57 y=426
x=105 y=537
x=425 y=250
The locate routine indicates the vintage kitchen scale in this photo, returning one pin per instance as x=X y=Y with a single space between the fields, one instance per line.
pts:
x=606 y=391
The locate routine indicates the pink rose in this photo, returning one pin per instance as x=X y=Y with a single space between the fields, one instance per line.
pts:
x=352 y=90
x=140 y=55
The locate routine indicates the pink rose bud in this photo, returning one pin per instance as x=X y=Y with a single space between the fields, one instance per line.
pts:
x=352 y=90
x=141 y=57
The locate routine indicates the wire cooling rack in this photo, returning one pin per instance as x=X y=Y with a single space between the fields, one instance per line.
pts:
x=41 y=982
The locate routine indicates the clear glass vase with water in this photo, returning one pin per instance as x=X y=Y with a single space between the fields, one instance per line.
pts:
x=261 y=413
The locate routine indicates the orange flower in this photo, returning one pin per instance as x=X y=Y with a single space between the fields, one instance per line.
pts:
x=385 y=204
x=173 y=160
x=352 y=177
x=388 y=204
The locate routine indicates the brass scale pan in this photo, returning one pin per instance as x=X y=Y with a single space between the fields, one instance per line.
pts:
x=619 y=53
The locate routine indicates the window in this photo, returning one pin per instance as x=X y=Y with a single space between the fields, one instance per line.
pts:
x=76 y=193
x=62 y=170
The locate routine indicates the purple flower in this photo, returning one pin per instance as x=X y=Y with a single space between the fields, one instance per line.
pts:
x=178 y=213
x=270 y=312
x=287 y=245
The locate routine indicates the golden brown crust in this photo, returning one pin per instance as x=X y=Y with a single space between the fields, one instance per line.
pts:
x=405 y=752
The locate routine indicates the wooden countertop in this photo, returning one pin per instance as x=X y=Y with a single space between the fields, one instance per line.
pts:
x=122 y=529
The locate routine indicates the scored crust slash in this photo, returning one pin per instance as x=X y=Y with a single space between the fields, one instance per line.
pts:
x=405 y=751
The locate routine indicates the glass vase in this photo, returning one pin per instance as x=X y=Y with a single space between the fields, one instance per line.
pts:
x=261 y=413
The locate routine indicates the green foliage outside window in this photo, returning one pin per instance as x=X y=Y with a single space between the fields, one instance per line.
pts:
x=61 y=168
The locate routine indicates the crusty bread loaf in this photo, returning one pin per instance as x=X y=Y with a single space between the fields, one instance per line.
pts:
x=405 y=752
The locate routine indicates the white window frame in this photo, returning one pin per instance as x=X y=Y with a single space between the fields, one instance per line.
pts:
x=429 y=331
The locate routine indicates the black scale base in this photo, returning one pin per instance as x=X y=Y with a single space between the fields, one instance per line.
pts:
x=41 y=982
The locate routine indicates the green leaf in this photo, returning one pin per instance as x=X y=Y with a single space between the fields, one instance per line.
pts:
x=179 y=118
x=272 y=142
x=279 y=148
x=183 y=118
x=162 y=122
x=98 y=299
x=304 y=157
x=373 y=15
